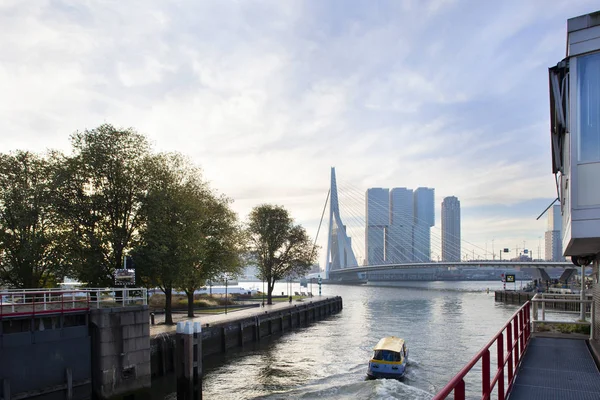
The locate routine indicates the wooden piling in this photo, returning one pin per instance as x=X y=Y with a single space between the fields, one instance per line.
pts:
x=189 y=361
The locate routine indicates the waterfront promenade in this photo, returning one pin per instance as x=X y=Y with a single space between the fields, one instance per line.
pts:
x=231 y=316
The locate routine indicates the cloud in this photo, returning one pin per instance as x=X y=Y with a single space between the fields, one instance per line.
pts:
x=265 y=96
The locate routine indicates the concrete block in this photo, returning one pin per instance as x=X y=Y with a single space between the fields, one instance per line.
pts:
x=109 y=349
x=109 y=362
x=128 y=318
x=143 y=370
x=100 y=318
x=108 y=377
x=132 y=331
x=146 y=330
x=142 y=343
x=142 y=317
x=129 y=345
x=138 y=357
x=106 y=335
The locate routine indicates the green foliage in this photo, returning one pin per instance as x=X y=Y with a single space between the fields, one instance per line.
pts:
x=277 y=246
x=31 y=233
x=101 y=187
x=77 y=215
x=189 y=233
x=572 y=328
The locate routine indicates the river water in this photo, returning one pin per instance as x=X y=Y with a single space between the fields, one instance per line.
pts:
x=444 y=324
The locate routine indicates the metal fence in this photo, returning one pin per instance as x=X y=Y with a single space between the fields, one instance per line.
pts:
x=24 y=302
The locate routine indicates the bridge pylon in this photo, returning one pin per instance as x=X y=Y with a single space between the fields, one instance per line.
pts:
x=339 y=245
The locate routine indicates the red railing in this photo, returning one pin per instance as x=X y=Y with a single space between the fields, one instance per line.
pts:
x=27 y=302
x=518 y=332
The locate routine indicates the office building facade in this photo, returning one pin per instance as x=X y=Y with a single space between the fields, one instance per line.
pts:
x=451 y=229
x=377 y=222
x=399 y=246
x=553 y=235
x=424 y=219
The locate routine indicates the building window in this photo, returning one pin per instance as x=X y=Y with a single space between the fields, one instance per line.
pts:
x=588 y=71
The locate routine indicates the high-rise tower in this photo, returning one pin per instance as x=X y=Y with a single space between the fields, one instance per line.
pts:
x=450 y=229
x=399 y=246
x=553 y=237
x=377 y=222
x=424 y=219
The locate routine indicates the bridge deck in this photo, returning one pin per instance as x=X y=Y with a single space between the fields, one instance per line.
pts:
x=556 y=368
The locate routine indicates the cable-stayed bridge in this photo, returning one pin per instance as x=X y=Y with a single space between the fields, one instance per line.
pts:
x=346 y=259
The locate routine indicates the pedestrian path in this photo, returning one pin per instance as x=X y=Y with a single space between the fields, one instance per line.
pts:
x=211 y=319
x=554 y=368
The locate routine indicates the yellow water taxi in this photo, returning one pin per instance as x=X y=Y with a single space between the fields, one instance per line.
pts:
x=389 y=358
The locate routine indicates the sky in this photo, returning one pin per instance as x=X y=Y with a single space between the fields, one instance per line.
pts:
x=267 y=96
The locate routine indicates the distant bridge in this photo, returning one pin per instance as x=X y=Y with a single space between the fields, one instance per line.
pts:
x=462 y=264
x=447 y=270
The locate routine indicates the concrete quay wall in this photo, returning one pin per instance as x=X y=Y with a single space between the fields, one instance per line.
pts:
x=120 y=352
x=218 y=338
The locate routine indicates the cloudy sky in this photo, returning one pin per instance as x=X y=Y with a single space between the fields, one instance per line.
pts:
x=266 y=96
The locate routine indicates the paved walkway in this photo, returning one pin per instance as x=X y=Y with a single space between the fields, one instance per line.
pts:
x=156 y=330
x=554 y=369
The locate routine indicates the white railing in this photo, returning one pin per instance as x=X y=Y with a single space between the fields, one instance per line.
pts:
x=539 y=305
x=21 y=302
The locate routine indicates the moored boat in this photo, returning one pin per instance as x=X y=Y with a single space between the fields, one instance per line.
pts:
x=389 y=358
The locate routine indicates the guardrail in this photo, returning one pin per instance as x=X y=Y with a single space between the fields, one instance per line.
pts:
x=517 y=332
x=567 y=300
x=24 y=302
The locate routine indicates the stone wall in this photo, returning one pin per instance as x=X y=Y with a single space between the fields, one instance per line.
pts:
x=120 y=351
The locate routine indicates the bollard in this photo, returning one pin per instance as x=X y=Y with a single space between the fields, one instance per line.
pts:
x=152 y=318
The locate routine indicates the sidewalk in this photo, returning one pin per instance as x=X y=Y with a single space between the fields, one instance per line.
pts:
x=156 y=330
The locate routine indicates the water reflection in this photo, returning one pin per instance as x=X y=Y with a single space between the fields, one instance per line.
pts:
x=444 y=324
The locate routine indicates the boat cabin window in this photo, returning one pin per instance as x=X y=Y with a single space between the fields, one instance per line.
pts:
x=387 y=355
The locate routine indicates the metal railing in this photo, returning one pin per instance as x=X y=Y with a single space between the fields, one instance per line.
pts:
x=539 y=305
x=25 y=302
x=517 y=332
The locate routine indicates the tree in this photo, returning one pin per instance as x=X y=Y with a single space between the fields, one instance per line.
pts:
x=188 y=232
x=217 y=245
x=31 y=234
x=277 y=246
x=101 y=186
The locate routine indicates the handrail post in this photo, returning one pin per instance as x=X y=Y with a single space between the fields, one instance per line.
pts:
x=509 y=350
x=44 y=301
x=485 y=373
x=500 y=355
x=521 y=331
x=528 y=322
x=459 y=390
x=515 y=347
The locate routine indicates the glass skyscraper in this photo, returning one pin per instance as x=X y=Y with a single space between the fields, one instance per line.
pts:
x=450 y=229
